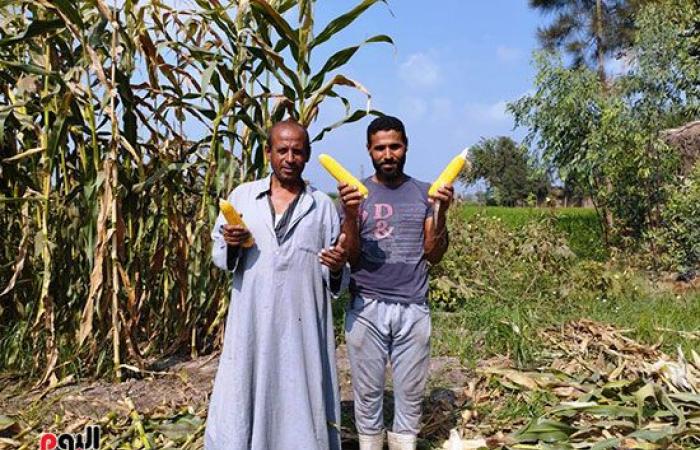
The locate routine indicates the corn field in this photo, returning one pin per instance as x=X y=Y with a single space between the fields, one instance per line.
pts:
x=120 y=126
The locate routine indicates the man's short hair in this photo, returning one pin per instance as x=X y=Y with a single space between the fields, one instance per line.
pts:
x=290 y=123
x=386 y=123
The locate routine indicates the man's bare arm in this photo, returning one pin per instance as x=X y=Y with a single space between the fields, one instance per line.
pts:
x=436 y=240
x=350 y=199
x=436 y=236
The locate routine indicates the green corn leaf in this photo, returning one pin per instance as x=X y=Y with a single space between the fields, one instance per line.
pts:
x=655 y=436
x=341 y=22
x=685 y=397
x=277 y=62
x=36 y=28
x=31 y=68
x=326 y=90
x=340 y=58
x=354 y=117
x=68 y=8
x=279 y=23
x=608 y=443
x=641 y=395
x=544 y=430
x=668 y=403
x=597 y=409
x=206 y=77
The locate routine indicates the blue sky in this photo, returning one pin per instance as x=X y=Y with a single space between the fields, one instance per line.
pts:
x=453 y=68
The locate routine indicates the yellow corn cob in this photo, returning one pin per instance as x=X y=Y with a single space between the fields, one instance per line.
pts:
x=233 y=218
x=340 y=174
x=449 y=175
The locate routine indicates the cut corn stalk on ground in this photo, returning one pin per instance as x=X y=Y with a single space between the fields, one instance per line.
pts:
x=233 y=218
x=603 y=390
x=596 y=389
x=341 y=175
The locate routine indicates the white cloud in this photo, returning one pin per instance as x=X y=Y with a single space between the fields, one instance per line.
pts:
x=439 y=109
x=508 y=54
x=497 y=111
x=481 y=120
x=488 y=112
x=413 y=108
x=420 y=70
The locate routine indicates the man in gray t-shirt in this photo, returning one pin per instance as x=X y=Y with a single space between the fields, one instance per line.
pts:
x=391 y=236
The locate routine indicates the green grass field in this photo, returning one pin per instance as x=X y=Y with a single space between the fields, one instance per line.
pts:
x=580 y=225
x=487 y=328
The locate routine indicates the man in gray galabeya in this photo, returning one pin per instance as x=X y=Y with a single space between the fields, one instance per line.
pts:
x=276 y=386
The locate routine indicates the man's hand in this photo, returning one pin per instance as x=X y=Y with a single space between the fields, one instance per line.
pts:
x=444 y=195
x=234 y=235
x=441 y=201
x=335 y=256
x=436 y=239
x=351 y=198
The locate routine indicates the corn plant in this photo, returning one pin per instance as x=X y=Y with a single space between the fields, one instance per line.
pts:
x=120 y=125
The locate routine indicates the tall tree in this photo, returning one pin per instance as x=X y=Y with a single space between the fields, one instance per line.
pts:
x=506 y=167
x=588 y=30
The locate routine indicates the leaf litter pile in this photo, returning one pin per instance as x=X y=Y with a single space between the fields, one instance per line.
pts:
x=154 y=410
x=123 y=428
x=595 y=388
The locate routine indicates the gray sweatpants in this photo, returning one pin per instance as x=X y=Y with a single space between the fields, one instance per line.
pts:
x=376 y=332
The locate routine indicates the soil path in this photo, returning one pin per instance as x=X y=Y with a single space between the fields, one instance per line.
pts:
x=174 y=384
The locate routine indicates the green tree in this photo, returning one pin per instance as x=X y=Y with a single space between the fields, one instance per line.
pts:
x=607 y=134
x=588 y=30
x=507 y=168
x=680 y=234
x=663 y=87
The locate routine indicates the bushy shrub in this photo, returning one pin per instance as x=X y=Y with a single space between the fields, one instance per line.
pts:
x=489 y=259
x=679 y=235
x=528 y=264
x=580 y=226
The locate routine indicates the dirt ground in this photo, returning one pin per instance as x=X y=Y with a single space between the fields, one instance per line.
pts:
x=176 y=383
x=590 y=373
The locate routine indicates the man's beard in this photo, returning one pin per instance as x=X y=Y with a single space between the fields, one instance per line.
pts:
x=391 y=174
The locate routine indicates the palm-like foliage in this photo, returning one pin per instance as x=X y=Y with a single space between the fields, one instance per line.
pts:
x=119 y=126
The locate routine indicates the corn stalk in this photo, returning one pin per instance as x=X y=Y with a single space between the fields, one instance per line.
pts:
x=119 y=128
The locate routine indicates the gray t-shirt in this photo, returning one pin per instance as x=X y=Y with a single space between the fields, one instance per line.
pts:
x=392 y=265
